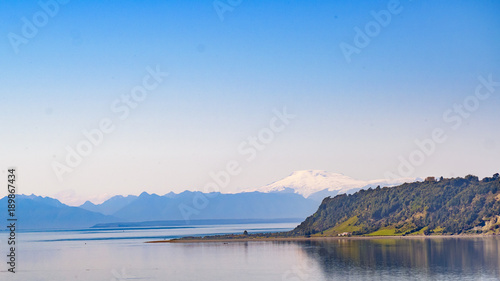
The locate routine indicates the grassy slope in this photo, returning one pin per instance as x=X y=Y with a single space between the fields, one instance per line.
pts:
x=350 y=225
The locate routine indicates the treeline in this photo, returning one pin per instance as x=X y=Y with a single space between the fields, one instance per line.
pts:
x=444 y=206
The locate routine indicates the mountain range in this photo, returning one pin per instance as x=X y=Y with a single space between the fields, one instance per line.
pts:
x=184 y=206
x=36 y=212
x=295 y=196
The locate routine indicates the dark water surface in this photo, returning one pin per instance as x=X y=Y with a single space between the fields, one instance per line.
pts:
x=121 y=254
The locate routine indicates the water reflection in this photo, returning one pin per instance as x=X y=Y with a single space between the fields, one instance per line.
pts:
x=416 y=258
x=79 y=256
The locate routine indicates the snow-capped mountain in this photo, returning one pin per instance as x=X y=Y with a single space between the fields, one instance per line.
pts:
x=318 y=183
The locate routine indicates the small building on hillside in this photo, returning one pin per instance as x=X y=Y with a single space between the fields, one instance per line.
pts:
x=343 y=234
x=430 y=179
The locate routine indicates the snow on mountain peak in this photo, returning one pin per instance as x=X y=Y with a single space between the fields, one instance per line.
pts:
x=307 y=182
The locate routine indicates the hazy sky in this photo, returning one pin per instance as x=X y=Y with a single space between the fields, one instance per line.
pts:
x=361 y=91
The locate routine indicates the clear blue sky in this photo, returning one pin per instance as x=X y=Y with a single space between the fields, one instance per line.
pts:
x=226 y=77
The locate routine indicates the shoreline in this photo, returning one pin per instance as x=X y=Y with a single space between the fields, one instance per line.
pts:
x=300 y=239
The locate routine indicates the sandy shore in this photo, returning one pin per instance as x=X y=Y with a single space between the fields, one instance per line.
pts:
x=315 y=238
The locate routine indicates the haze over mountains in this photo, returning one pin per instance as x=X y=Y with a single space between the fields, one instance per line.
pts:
x=296 y=196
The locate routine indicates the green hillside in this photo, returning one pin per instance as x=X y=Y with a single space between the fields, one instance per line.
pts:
x=445 y=206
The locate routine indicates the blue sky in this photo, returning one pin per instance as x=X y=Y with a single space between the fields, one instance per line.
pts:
x=226 y=77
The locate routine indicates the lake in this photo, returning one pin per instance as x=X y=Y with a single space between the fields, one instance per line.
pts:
x=121 y=254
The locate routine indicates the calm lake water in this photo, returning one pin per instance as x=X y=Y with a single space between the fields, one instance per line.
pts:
x=121 y=254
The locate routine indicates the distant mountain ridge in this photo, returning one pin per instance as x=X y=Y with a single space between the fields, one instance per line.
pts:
x=109 y=206
x=37 y=212
x=248 y=205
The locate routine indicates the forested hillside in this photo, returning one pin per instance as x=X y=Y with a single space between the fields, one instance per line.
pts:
x=444 y=206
